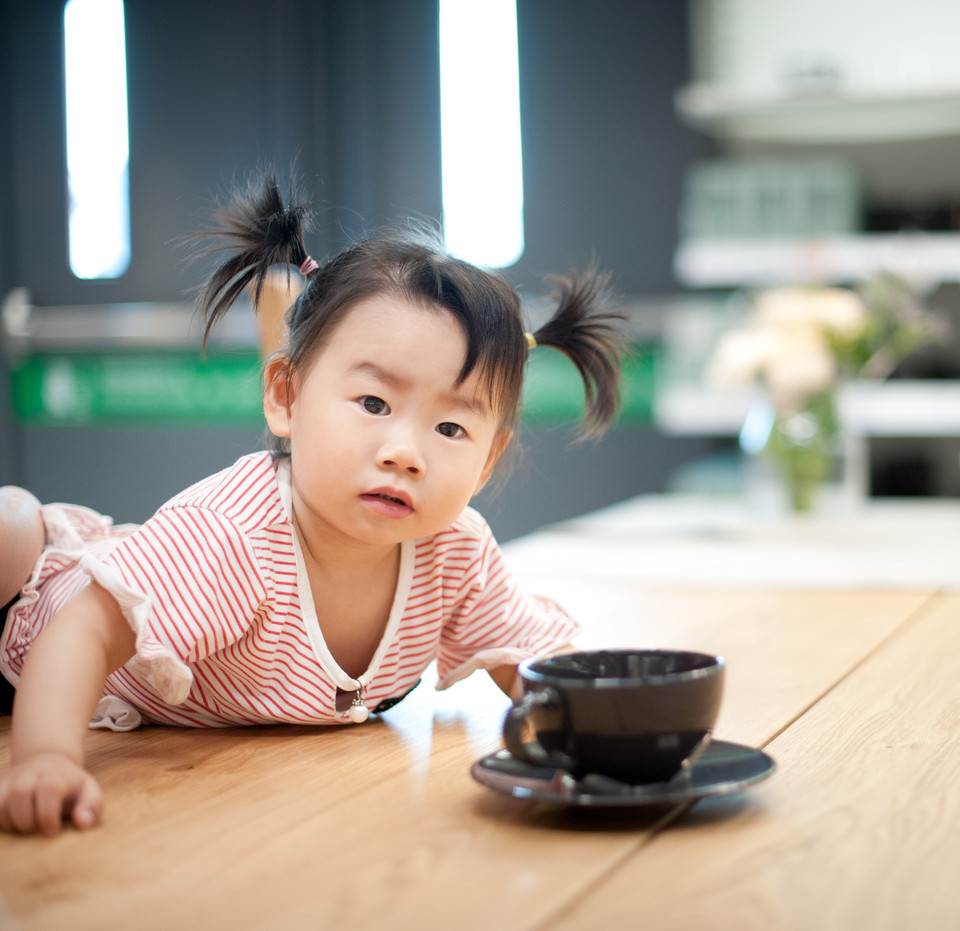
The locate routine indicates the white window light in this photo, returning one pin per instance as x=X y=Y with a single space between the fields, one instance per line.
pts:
x=480 y=131
x=95 y=92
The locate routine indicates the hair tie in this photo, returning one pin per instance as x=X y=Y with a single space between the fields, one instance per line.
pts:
x=308 y=266
x=531 y=340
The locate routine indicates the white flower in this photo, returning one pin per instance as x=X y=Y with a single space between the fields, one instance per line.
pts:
x=796 y=368
x=835 y=310
x=737 y=360
x=786 y=348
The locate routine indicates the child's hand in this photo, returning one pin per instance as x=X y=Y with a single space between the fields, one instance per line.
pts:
x=38 y=794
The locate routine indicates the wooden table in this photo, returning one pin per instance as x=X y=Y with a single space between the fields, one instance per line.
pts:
x=853 y=691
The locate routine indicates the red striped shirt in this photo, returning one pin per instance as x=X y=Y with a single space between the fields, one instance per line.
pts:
x=211 y=586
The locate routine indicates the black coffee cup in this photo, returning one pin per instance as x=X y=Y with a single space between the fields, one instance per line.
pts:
x=631 y=715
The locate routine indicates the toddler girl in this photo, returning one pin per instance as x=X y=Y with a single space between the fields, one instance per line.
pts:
x=312 y=583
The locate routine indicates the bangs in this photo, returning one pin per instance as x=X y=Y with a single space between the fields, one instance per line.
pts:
x=487 y=309
x=499 y=370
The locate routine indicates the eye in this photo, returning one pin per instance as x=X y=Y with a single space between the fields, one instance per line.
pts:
x=452 y=430
x=374 y=405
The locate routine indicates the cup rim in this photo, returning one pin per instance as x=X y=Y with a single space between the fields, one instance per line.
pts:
x=713 y=665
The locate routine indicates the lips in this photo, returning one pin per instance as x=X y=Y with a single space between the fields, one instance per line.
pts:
x=389 y=501
x=391 y=494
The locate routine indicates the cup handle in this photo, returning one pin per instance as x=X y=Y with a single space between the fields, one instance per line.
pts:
x=531 y=751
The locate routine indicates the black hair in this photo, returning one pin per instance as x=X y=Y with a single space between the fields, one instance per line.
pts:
x=259 y=230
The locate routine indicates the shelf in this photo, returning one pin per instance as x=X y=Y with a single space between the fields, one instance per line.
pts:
x=898 y=408
x=820 y=117
x=925 y=259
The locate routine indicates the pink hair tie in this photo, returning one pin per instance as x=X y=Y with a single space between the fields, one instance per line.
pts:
x=308 y=266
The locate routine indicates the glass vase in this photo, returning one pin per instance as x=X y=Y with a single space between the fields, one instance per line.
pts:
x=794 y=454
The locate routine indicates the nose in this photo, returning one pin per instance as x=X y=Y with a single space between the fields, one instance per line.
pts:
x=400 y=452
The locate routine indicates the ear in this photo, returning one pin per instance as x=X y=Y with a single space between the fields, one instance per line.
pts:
x=278 y=395
x=500 y=443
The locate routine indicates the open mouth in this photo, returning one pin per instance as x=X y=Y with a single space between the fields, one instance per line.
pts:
x=386 y=503
x=390 y=498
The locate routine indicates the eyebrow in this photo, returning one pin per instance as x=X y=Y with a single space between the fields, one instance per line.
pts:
x=473 y=404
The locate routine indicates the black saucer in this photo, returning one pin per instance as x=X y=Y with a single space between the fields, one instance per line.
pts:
x=722 y=768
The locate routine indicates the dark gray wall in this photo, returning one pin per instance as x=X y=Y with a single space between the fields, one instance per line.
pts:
x=350 y=87
x=604 y=154
x=217 y=88
x=8 y=462
x=7 y=238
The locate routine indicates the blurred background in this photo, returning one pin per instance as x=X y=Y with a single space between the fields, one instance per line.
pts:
x=696 y=150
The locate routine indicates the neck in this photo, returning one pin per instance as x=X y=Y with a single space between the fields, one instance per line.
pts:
x=335 y=556
x=345 y=562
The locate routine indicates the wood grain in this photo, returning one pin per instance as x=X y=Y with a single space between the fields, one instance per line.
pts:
x=302 y=827
x=856 y=830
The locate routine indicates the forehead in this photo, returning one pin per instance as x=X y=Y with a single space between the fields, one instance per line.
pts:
x=400 y=326
x=402 y=340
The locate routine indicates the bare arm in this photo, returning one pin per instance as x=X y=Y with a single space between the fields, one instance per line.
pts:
x=279 y=291
x=62 y=680
x=507 y=678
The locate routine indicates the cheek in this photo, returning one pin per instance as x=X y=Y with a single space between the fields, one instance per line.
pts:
x=464 y=472
x=323 y=441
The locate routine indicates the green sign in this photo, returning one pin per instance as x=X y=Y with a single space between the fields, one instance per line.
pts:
x=137 y=388
x=553 y=389
x=176 y=387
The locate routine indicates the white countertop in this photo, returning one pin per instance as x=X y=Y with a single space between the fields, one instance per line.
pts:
x=896 y=544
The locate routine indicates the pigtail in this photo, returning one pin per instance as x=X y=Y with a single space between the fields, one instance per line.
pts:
x=592 y=336
x=259 y=230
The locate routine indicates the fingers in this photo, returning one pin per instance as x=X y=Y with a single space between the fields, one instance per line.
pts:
x=38 y=795
x=88 y=807
x=47 y=810
x=24 y=817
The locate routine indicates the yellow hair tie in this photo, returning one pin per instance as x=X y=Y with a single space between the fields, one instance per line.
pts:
x=531 y=341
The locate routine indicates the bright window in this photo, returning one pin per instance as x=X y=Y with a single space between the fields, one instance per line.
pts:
x=95 y=91
x=480 y=131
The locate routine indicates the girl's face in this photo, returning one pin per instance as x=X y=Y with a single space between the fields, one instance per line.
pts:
x=384 y=445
